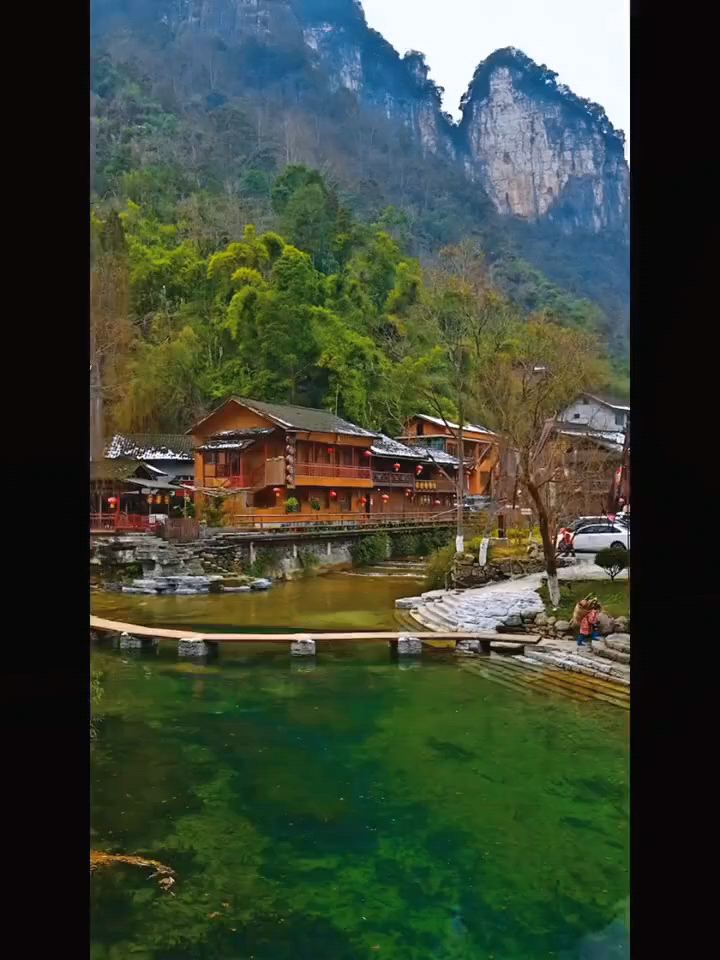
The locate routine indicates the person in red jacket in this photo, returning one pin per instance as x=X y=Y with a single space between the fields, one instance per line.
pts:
x=584 y=618
x=566 y=542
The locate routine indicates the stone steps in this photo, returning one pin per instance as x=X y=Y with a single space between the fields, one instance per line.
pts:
x=591 y=667
x=618 y=641
x=608 y=653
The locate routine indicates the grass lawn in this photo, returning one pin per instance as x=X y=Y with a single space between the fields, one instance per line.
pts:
x=614 y=597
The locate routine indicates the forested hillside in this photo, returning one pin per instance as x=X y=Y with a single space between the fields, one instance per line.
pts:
x=256 y=231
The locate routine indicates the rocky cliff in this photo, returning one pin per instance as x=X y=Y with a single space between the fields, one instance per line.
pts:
x=540 y=151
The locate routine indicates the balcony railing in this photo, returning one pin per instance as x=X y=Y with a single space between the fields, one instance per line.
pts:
x=332 y=470
x=389 y=478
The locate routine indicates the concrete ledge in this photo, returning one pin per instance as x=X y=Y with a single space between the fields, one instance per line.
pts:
x=408 y=646
x=303 y=646
x=193 y=647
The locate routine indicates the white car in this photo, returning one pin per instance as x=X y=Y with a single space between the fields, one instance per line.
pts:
x=598 y=536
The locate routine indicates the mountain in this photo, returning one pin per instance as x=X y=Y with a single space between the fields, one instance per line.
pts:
x=232 y=90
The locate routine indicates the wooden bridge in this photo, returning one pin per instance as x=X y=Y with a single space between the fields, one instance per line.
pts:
x=485 y=637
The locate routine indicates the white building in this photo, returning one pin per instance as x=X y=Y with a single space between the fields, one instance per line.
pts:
x=595 y=413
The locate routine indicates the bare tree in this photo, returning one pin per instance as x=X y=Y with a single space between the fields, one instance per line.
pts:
x=523 y=380
x=111 y=331
x=460 y=306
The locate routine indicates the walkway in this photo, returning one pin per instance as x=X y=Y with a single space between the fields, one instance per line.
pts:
x=163 y=633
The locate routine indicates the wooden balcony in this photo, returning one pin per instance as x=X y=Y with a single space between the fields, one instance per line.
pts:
x=332 y=474
x=389 y=478
x=436 y=485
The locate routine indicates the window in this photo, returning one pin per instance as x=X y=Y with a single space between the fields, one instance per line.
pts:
x=619 y=419
x=576 y=416
x=420 y=429
x=435 y=443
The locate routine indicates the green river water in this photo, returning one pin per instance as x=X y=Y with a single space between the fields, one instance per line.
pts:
x=351 y=808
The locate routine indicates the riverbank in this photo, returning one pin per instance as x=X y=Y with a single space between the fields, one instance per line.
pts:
x=518 y=605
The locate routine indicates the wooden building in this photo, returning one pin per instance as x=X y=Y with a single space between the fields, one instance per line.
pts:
x=140 y=478
x=259 y=458
x=438 y=440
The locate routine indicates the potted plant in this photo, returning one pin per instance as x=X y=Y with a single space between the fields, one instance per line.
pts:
x=292 y=505
x=314 y=503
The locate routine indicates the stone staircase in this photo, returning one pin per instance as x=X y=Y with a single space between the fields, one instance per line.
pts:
x=615 y=647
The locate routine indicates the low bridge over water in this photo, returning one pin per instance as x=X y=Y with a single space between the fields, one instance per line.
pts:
x=192 y=642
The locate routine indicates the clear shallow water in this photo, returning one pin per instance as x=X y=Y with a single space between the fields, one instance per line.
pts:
x=336 y=601
x=355 y=809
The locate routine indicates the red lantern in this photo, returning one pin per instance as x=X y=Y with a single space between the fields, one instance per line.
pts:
x=418 y=469
x=277 y=491
x=396 y=467
x=333 y=494
x=385 y=498
x=408 y=492
x=437 y=502
x=112 y=501
x=363 y=500
x=367 y=453
x=330 y=449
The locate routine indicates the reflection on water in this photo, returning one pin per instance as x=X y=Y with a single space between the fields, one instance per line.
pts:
x=353 y=808
x=332 y=602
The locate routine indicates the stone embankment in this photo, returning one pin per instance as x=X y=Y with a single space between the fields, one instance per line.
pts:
x=515 y=606
x=122 y=558
x=191 y=585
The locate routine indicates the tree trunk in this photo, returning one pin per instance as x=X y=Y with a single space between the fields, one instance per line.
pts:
x=97 y=418
x=547 y=543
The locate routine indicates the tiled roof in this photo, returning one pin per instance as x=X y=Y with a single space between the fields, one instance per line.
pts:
x=150 y=446
x=121 y=468
x=292 y=417
x=606 y=438
x=454 y=426
x=387 y=447
x=613 y=402
x=235 y=439
x=436 y=456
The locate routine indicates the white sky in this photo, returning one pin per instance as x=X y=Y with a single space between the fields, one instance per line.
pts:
x=587 y=42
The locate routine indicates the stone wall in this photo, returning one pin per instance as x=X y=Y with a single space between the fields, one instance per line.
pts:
x=123 y=557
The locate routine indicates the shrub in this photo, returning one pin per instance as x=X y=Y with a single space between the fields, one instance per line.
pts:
x=613 y=560
x=439 y=567
x=372 y=549
x=314 y=503
x=292 y=505
x=267 y=559
x=308 y=560
x=213 y=512
x=405 y=545
x=430 y=540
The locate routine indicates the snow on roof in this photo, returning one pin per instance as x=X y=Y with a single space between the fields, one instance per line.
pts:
x=437 y=456
x=385 y=446
x=606 y=402
x=235 y=439
x=150 y=446
x=615 y=440
x=453 y=426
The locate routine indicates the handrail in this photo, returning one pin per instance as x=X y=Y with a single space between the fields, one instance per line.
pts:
x=364 y=520
x=332 y=470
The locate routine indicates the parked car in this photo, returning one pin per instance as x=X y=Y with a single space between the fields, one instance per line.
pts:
x=477 y=504
x=573 y=527
x=597 y=536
